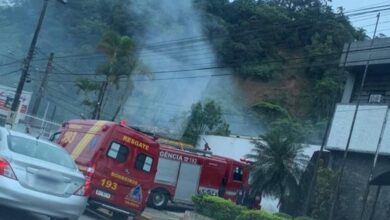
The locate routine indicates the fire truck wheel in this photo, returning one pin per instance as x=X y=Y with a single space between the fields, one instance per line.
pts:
x=119 y=216
x=158 y=199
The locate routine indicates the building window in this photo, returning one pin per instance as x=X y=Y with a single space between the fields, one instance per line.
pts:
x=118 y=152
x=375 y=98
x=237 y=174
x=144 y=162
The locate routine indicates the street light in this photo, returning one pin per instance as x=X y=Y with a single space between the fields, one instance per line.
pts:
x=26 y=64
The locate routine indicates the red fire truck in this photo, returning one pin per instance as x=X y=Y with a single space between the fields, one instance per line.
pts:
x=120 y=163
x=181 y=173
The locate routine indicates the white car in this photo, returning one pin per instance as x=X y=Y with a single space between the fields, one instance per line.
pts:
x=39 y=176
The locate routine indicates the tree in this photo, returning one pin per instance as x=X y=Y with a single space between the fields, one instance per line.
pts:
x=327 y=92
x=320 y=206
x=205 y=118
x=121 y=61
x=87 y=87
x=278 y=161
x=270 y=111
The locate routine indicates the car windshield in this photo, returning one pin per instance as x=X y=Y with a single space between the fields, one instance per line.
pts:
x=40 y=150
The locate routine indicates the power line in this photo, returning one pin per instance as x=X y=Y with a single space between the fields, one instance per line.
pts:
x=366 y=12
x=9 y=73
x=11 y=63
x=368 y=8
x=379 y=3
x=224 y=74
x=164 y=44
x=254 y=63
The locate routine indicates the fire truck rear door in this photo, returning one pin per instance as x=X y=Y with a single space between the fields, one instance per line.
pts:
x=187 y=183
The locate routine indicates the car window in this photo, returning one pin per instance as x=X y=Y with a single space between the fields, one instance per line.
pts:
x=40 y=150
x=144 y=162
x=118 y=152
x=237 y=174
x=54 y=138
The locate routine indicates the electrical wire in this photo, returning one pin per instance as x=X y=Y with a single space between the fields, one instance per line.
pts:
x=9 y=73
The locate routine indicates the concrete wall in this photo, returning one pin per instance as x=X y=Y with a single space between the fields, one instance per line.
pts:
x=367 y=129
x=353 y=185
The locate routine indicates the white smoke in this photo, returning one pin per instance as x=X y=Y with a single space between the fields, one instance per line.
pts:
x=9 y=3
x=166 y=104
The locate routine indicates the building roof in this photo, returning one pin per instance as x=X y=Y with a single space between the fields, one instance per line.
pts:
x=359 y=52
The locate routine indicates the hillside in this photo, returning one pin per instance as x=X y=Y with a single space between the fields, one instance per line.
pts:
x=278 y=58
x=284 y=52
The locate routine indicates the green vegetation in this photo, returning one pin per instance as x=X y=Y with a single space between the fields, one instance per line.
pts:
x=216 y=207
x=321 y=201
x=259 y=215
x=222 y=209
x=270 y=111
x=283 y=215
x=88 y=90
x=205 y=118
x=278 y=160
x=273 y=40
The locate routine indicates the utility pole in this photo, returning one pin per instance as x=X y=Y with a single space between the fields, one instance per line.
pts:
x=42 y=86
x=313 y=181
x=26 y=66
x=344 y=160
x=99 y=102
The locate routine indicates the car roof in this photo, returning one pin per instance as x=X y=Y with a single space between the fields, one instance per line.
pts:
x=27 y=136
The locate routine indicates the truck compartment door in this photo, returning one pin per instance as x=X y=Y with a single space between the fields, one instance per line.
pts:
x=167 y=171
x=187 y=183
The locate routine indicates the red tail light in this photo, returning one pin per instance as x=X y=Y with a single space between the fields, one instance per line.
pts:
x=86 y=189
x=88 y=180
x=6 y=170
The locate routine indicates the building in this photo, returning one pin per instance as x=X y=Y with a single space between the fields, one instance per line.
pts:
x=369 y=127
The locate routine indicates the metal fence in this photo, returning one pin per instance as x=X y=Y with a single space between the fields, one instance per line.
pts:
x=35 y=126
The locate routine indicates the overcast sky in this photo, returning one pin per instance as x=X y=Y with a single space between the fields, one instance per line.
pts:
x=366 y=21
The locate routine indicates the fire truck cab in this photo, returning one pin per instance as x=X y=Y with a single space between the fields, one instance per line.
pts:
x=119 y=163
x=182 y=173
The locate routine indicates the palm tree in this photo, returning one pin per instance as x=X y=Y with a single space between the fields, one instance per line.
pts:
x=278 y=164
x=86 y=87
x=121 y=62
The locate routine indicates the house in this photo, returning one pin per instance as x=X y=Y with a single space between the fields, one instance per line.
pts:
x=368 y=129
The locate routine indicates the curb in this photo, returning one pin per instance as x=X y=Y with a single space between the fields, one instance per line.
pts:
x=142 y=217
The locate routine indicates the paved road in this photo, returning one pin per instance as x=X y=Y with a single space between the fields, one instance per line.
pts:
x=12 y=214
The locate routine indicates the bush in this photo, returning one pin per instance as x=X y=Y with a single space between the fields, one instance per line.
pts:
x=304 y=218
x=221 y=209
x=216 y=207
x=283 y=215
x=258 y=215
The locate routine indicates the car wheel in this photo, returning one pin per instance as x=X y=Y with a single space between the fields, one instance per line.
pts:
x=158 y=199
x=119 y=216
